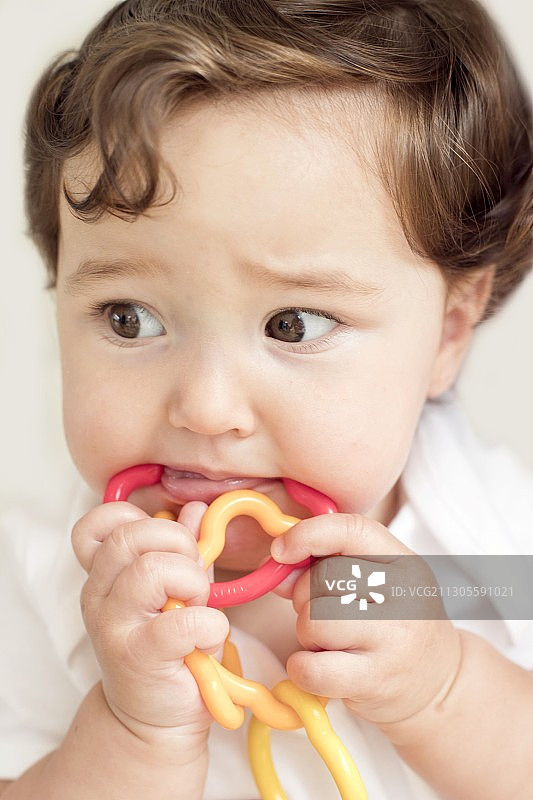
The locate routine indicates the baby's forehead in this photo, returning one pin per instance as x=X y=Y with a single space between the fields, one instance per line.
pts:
x=253 y=189
x=317 y=120
x=341 y=117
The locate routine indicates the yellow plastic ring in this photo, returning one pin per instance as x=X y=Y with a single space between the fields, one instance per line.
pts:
x=321 y=735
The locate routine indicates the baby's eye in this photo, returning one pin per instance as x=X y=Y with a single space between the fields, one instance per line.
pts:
x=299 y=324
x=132 y=321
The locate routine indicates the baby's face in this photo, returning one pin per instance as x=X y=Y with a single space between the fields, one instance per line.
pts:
x=271 y=321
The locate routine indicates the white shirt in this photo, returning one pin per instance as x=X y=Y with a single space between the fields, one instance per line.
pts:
x=461 y=498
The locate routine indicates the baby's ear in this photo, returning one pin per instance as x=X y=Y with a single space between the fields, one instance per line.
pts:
x=465 y=306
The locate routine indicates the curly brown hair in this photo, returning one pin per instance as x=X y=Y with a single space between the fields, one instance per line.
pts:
x=454 y=148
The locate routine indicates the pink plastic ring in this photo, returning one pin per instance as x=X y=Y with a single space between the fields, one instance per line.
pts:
x=256 y=583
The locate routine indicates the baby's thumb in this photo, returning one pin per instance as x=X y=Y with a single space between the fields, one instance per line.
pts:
x=191 y=516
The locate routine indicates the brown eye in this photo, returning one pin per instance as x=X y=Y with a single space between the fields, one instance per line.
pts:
x=296 y=324
x=124 y=321
x=132 y=321
x=287 y=326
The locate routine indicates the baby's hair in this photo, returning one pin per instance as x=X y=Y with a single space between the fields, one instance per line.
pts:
x=453 y=142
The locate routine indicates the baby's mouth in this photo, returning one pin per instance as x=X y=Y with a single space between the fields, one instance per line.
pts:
x=184 y=486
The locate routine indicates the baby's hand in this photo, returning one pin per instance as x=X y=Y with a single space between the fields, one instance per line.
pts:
x=134 y=564
x=384 y=670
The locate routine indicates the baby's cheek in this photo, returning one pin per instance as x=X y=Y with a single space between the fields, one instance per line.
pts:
x=93 y=438
x=372 y=470
x=351 y=456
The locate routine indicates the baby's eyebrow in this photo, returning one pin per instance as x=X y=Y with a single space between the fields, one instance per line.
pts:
x=93 y=271
x=324 y=281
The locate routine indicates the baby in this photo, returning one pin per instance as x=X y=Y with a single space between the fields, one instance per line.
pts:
x=272 y=228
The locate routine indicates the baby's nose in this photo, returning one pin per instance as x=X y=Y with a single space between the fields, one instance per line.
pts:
x=212 y=395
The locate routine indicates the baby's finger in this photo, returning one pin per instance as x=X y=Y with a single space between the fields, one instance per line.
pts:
x=132 y=540
x=333 y=674
x=176 y=633
x=328 y=632
x=191 y=515
x=94 y=527
x=322 y=577
x=143 y=587
x=342 y=534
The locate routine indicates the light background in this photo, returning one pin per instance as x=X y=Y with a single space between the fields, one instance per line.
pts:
x=496 y=384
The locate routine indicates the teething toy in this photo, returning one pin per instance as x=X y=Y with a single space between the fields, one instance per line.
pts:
x=226 y=691
x=266 y=577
